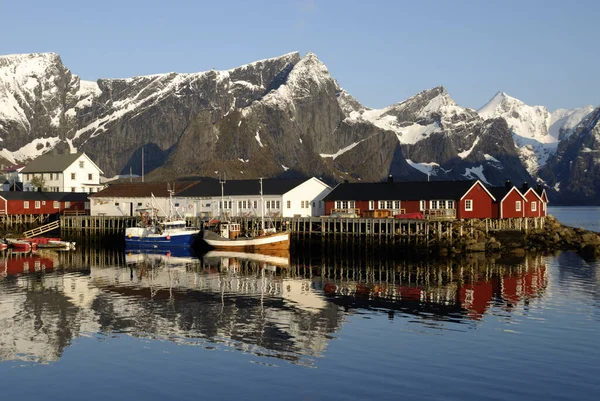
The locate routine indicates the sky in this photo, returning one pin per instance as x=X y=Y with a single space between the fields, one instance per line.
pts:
x=381 y=52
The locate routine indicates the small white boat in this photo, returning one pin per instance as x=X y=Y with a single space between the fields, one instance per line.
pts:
x=230 y=236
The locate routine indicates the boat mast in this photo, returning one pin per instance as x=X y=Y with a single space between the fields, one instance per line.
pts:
x=262 y=207
x=222 y=181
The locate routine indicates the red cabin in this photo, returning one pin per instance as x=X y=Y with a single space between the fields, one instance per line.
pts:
x=509 y=202
x=15 y=203
x=432 y=199
x=535 y=204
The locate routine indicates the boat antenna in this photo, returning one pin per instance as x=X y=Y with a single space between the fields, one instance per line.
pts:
x=222 y=181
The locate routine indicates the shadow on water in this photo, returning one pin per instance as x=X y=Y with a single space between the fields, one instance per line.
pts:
x=285 y=305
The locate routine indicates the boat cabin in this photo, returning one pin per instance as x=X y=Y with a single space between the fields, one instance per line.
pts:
x=230 y=230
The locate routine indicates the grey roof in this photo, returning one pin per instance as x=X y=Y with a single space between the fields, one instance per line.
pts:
x=273 y=186
x=47 y=196
x=51 y=163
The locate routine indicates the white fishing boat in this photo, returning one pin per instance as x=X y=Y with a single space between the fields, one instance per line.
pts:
x=230 y=237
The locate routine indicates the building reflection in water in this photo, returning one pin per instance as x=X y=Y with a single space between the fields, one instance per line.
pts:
x=269 y=305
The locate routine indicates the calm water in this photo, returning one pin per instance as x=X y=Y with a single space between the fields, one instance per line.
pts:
x=587 y=217
x=102 y=324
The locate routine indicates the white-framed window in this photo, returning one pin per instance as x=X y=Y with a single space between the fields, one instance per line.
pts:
x=534 y=206
x=396 y=204
x=81 y=164
x=90 y=176
x=25 y=204
x=371 y=205
x=433 y=204
x=255 y=204
x=468 y=205
x=450 y=204
x=289 y=204
x=518 y=206
x=277 y=204
x=544 y=206
x=37 y=204
x=422 y=205
x=72 y=176
x=56 y=204
x=239 y=205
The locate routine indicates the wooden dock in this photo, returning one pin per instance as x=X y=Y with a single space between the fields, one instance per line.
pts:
x=382 y=231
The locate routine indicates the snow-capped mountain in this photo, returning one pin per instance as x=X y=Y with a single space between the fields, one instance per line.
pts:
x=283 y=116
x=536 y=131
x=574 y=171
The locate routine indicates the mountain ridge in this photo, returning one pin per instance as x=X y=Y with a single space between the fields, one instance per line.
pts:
x=284 y=115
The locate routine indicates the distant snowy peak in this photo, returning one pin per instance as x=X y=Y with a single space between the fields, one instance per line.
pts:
x=536 y=131
x=414 y=119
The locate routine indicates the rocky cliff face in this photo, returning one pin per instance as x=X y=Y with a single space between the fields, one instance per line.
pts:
x=284 y=116
x=573 y=173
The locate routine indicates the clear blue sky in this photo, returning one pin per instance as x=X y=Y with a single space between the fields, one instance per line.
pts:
x=542 y=52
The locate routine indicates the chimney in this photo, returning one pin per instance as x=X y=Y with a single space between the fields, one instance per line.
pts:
x=73 y=150
x=390 y=178
x=525 y=186
x=508 y=184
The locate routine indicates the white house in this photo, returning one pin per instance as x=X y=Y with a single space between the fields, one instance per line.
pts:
x=73 y=172
x=282 y=197
x=300 y=197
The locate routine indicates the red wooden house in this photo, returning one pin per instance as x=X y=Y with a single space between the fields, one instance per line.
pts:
x=14 y=203
x=445 y=199
x=509 y=202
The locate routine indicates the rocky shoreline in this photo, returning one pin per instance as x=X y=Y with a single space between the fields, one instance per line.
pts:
x=554 y=236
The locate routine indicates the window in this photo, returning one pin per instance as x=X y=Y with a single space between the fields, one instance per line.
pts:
x=37 y=204
x=313 y=204
x=72 y=189
x=86 y=205
x=468 y=205
x=371 y=205
x=278 y=205
x=544 y=207
x=244 y=205
x=268 y=204
x=239 y=205
x=139 y=204
x=396 y=204
x=56 y=205
x=72 y=176
x=116 y=203
x=450 y=204
x=90 y=177
x=67 y=205
x=25 y=204
x=289 y=204
x=422 y=205
x=255 y=204
x=177 y=205
x=433 y=204
x=81 y=164
x=518 y=206
x=534 y=206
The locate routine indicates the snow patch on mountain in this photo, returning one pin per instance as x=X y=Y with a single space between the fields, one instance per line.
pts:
x=340 y=152
x=426 y=168
x=466 y=153
x=476 y=173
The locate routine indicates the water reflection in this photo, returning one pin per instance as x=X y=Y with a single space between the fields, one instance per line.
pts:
x=283 y=306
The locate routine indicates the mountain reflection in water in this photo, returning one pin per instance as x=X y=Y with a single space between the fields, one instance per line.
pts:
x=281 y=306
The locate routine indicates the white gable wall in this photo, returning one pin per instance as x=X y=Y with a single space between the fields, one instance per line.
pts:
x=63 y=181
x=311 y=193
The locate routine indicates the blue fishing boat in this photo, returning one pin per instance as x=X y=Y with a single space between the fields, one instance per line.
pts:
x=153 y=233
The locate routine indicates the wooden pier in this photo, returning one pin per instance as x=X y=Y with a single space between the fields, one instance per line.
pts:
x=376 y=231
